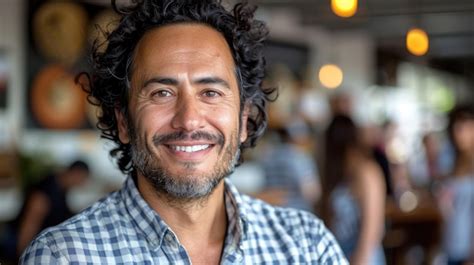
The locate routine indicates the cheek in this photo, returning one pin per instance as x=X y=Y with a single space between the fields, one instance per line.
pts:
x=226 y=121
x=141 y=131
x=151 y=120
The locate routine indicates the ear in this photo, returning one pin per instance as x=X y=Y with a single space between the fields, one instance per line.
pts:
x=243 y=126
x=122 y=127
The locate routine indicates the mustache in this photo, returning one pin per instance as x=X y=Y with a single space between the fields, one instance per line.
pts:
x=178 y=136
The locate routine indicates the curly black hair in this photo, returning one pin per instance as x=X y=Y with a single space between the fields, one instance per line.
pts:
x=108 y=82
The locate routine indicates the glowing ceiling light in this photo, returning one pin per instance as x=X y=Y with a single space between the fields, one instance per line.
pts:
x=344 y=8
x=417 y=41
x=330 y=76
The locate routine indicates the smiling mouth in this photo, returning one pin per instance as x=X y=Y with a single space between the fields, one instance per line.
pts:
x=189 y=148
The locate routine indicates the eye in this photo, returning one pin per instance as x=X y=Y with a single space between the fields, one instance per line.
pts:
x=211 y=94
x=161 y=93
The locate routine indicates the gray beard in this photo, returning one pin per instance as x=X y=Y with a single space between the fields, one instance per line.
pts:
x=182 y=189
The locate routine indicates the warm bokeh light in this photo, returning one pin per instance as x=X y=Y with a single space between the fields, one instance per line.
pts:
x=408 y=201
x=330 y=76
x=344 y=8
x=417 y=42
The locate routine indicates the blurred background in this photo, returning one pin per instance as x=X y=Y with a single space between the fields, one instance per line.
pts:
x=396 y=69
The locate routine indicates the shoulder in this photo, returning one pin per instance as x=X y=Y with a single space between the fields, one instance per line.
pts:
x=368 y=185
x=293 y=230
x=367 y=172
x=54 y=243
x=40 y=252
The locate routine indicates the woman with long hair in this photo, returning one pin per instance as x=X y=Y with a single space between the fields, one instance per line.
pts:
x=456 y=195
x=353 y=198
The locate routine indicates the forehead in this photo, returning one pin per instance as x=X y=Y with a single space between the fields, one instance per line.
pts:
x=183 y=42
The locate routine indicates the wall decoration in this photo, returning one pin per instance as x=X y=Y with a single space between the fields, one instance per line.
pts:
x=57 y=101
x=59 y=41
x=59 y=31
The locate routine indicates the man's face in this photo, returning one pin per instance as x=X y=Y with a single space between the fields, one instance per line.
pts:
x=184 y=110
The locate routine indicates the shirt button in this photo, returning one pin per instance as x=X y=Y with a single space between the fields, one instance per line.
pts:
x=154 y=244
x=171 y=241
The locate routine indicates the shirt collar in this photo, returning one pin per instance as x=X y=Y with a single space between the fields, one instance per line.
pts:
x=142 y=215
x=155 y=229
x=235 y=206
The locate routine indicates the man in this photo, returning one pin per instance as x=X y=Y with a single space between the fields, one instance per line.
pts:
x=179 y=86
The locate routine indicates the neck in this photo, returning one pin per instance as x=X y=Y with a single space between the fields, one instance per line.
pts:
x=194 y=222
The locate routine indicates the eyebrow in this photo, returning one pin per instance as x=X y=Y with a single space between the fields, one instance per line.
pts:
x=161 y=80
x=200 y=81
x=212 y=80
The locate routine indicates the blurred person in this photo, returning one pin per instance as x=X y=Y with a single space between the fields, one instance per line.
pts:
x=430 y=165
x=291 y=170
x=340 y=103
x=456 y=195
x=45 y=203
x=180 y=89
x=431 y=149
x=371 y=137
x=353 y=198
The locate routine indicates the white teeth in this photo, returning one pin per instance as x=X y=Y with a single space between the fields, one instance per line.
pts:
x=189 y=149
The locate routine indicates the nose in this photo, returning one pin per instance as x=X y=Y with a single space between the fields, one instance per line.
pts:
x=188 y=114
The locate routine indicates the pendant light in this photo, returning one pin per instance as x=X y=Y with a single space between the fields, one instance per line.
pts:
x=344 y=8
x=417 y=41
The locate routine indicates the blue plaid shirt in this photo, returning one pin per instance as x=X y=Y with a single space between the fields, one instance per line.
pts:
x=123 y=229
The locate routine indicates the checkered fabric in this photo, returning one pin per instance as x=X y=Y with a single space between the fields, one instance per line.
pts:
x=123 y=229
